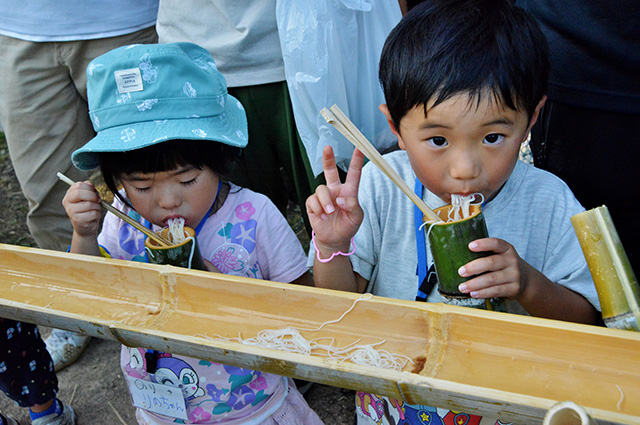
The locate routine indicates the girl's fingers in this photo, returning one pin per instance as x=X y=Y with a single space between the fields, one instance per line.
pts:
x=329 y=167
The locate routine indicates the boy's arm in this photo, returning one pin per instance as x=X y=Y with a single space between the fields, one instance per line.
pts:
x=544 y=298
x=335 y=216
x=337 y=273
x=506 y=274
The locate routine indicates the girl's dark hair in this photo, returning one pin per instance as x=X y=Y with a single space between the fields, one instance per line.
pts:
x=445 y=47
x=167 y=156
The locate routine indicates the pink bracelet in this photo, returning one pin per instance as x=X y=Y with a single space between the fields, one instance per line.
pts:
x=313 y=240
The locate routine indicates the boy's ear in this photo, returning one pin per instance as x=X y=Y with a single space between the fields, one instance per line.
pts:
x=536 y=113
x=385 y=110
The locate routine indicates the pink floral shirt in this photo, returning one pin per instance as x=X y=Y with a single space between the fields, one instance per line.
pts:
x=248 y=236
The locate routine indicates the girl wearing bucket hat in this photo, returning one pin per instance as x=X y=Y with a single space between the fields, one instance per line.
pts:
x=168 y=133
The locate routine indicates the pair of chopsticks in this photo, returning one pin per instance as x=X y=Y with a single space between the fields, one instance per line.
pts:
x=151 y=234
x=343 y=124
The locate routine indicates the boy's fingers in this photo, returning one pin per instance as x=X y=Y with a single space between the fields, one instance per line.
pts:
x=355 y=171
x=323 y=194
x=313 y=206
x=329 y=167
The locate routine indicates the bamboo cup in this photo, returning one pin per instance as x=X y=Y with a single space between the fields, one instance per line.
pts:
x=449 y=242
x=567 y=413
x=185 y=254
x=613 y=277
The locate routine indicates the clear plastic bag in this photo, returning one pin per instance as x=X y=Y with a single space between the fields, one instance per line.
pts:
x=331 y=51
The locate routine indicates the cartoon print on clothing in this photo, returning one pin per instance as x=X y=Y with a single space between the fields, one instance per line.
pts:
x=232 y=257
x=136 y=367
x=458 y=418
x=178 y=373
x=379 y=409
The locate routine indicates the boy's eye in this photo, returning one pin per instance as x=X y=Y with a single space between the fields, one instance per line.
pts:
x=438 y=141
x=142 y=189
x=492 y=139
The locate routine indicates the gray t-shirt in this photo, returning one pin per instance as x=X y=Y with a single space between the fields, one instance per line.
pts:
x=532 y=212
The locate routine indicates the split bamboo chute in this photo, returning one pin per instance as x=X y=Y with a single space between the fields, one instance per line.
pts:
x=348 y=129
x=487 y=363
x=151 y=234
x=612 y=274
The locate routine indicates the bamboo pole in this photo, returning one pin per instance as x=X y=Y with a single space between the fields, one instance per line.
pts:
x=480 y=362
x=614 y=279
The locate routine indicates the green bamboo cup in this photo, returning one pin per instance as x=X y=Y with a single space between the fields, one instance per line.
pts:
x=449 y=244
x=185 y=254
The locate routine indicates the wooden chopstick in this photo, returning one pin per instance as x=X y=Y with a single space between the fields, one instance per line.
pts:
x=151 y=234
x=343 y=124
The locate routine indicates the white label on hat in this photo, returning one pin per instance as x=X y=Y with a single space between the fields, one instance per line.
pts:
x=128 y=80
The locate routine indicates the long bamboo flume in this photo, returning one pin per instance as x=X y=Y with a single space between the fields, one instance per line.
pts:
x=463 y=359
x=150 y=233
x=343 y=124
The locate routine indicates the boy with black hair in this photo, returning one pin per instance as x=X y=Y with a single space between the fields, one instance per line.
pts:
x=464 y=81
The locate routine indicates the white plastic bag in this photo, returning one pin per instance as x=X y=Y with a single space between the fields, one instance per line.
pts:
x=331 y=51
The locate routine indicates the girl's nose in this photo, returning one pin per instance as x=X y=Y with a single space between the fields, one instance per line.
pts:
x=167 y=199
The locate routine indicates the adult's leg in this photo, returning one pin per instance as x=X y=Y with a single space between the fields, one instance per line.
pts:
x=597 y=153
x=43 y=109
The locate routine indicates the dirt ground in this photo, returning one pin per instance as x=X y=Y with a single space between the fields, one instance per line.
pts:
x=93 y=385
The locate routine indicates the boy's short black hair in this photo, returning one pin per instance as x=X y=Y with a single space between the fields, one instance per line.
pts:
x=166 y=156
x=446 y=47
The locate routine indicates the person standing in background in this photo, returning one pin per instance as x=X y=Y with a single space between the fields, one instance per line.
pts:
x=45 y=48
x=588 y=133
x=243 y=39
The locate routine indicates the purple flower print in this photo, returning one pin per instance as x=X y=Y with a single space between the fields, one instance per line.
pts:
x=260 y=383
x=245 y=234
x=244 y=211
x=225 y=260
x=199 y=415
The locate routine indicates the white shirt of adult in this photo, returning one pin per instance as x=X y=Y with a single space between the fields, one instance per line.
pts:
x=66 y=20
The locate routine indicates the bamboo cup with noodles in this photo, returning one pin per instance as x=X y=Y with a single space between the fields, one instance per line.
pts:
x=449 y=244
x=183 y=254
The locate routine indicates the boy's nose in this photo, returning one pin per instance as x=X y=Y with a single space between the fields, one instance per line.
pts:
x=465 y=166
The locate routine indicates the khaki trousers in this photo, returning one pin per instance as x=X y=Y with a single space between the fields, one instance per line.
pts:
x=43 y=109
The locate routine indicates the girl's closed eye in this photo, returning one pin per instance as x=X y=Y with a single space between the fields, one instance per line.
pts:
x=190 y=181
x=142 y=189
x=492 y=139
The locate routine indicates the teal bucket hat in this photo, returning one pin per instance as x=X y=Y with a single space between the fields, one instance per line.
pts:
x=145 y=94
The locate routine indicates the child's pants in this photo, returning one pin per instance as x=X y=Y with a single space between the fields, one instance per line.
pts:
x=26 y=368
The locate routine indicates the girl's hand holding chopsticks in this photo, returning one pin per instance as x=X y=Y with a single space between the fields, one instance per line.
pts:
x=82 y=204
x=334 y=211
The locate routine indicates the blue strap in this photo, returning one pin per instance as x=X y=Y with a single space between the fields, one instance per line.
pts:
x=420 y=241
x=197 y=229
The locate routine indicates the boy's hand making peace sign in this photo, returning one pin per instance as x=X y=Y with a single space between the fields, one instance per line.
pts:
x=334 y=211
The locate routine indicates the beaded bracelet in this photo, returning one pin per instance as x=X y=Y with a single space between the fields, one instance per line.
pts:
x=313 y=240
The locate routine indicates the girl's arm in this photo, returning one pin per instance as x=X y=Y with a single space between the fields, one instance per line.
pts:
x=82 y=205
x=335 y=216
